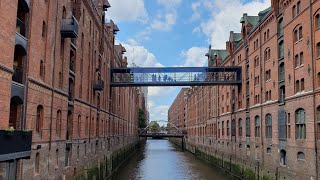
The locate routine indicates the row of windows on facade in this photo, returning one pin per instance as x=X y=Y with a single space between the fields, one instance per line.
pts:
x=299 y=123
x=40 y=119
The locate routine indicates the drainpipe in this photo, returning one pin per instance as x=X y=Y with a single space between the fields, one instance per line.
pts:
x=313 y=94
x=261 y=109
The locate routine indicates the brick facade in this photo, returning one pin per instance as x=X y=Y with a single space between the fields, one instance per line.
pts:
x=50 y=84
x=279 y=56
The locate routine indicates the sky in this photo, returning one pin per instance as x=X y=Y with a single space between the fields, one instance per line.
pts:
x=168 y=33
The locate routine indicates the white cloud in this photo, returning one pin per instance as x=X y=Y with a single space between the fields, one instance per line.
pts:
x=164 y=23
x=161 y=92
x=169 y=3
x=195 y=56
x=140 y=56
x=159 y=113
x=195 y=11
x=124 y=10
x=225 y=16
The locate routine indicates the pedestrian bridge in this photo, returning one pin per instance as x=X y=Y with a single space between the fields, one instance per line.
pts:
x=161 y=135
x=175 y=76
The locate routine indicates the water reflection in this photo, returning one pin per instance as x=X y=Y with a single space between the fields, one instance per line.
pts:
x=161 y=160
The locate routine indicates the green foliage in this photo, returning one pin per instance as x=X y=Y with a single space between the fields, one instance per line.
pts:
x=154 y=126
x=249 y=174
x=267 y=178
x=141 y=119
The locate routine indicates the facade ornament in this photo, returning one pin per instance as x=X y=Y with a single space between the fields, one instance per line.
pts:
x=289 y=54
x=289 y=78
x=309 y=69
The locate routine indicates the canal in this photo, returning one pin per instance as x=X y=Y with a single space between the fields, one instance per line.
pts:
x=162 y=160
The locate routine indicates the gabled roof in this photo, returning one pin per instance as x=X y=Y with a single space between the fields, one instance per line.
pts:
x=223 y=54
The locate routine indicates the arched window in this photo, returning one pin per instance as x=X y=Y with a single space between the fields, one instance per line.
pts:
x=268 y=126
x=318 y=115
x=282 y=125
x=283 y=157
x=37 y=164
x=302 y=84
x=44 y=29
x=300 y=33
x=269 y=150
x=39 y=119
x=301 y=59
x=58 y=123
x=240 y=127
x=79 y=125
x=300 y=124
x=281 y=72
x=257 y=126
x=280 y=27
x=228 y=128
x=293 y=11
x=297 y=86
x=296 y=37
x=42 y=69
x=248 y=127
x=317 y=21
x=296 y=60
x=298 y=7
x=281 y=53
x=300 y=156
x=318 y=49
x=318 y=79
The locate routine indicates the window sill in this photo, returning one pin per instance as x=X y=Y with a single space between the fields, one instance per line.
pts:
x=267 y=61
x=268 y=80
x=299 y=40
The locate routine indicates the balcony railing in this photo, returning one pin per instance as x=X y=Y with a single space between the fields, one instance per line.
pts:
x=21 y=27
x=15 y=144
x=17 y=75
x=98 y=85
x=69 y=28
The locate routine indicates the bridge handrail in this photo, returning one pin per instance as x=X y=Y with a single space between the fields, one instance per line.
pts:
x=161 y=121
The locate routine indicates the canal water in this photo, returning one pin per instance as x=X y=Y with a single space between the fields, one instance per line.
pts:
x=162 y=160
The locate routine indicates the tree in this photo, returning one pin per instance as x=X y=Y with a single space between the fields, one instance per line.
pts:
x=141 y=119
x=154 y=127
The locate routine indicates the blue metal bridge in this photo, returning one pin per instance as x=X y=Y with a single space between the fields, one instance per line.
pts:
x=175 y=76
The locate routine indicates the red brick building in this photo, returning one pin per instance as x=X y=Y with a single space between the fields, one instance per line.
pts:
x=55 y=65
x=270 y=123
x=176 y=112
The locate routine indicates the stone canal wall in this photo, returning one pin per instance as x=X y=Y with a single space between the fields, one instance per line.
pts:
x=107 y=164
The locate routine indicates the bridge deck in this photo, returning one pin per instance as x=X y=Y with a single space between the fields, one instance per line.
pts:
x=175 y=76
x=161 y=135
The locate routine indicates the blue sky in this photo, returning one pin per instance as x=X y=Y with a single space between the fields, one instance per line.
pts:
x=175 y=33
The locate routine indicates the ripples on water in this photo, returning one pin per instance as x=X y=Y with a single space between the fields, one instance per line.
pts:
x=161 y=160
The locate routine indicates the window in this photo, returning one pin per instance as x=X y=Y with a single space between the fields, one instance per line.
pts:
x=281 y=53
x=318 y=49
x=87 y=125
x=58 y=123
x=318 y=114
x=268 y=150
x=247 y=127
x=318 y=79
x=297 y=86
x=317 y=21
x=268 y=34
x=79 y=125
x=294 y=11
x=240 y=127
x=268 y=75
x=268 y=126
x=222 y=128
x=57 y=158
x=300 y=32
x=283 y=157
x=44 y=29
x=296 y=38
x=39 y=118
x=41 y=69
x=228 y=128
x=300 y=124
x=281 y=72
x=296 y=60
x=282 y=125
x=257 y=126
x=37 y=164
x=280 y=27
x=302 y=84
x=300 y=156
x=298 y=7
x=301 y=59
x=267 y=54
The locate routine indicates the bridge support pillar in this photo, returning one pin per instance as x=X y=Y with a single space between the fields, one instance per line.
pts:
x=182 y=144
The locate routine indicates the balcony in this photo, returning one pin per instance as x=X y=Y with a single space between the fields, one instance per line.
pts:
x=20 y=27
x=98 y=85
x=281 y=76
x=17 y=75
x=69 y=28
x=15 y=144
x=282 y=98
